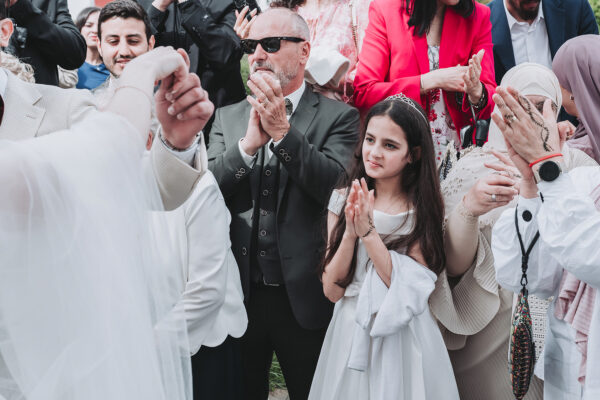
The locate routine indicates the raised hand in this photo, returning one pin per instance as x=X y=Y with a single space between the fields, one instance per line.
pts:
x=242 y=24
x=270 y=104
x=363 y=209
x=183 y=108
x=530 y=134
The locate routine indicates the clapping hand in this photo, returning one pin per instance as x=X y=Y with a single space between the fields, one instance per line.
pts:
x=255 y=137
x=471 y=78
x=351 y=202
x=270 y=104
x=242 y=24
x=363 y=209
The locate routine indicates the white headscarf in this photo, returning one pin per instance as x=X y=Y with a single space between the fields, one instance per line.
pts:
x=528 y=79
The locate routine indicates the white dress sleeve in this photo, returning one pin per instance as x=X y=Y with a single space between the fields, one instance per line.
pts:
x=337 y=202
x=569 y=223
x=543 y=273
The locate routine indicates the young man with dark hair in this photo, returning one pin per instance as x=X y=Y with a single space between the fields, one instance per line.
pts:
x=124 y=33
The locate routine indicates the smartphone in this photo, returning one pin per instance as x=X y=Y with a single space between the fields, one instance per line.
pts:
x=252 y=4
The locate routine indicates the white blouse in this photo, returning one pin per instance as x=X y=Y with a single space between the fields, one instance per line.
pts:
x=210 y=286
x=569 y=226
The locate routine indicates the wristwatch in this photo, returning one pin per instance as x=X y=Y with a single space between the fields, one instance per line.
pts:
x=548 y=171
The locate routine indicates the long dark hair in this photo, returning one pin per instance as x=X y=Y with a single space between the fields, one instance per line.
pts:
x=419 y=180
x=84 y=15
x=422 y=12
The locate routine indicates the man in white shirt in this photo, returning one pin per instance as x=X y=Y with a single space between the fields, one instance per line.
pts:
x=566 y=214
x=532 y=30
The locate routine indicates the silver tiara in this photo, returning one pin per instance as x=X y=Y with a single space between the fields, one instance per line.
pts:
x=402 y=97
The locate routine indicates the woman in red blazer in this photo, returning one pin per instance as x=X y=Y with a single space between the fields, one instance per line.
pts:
x=430 y=50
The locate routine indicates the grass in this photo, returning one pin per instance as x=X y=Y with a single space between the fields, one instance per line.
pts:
x=245 y=71
x=276 y=380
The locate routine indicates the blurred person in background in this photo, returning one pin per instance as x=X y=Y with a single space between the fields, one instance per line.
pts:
x=93 y=72
x=45 y=37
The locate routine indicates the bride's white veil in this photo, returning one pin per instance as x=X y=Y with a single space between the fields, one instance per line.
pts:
x=83 y=294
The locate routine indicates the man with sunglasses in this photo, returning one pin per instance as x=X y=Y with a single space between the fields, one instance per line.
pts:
x=277 y=156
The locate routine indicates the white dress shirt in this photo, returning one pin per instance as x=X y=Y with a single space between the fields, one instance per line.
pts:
x=197 y=242
x=294 y=97
x=569 y=226
x=530 y=42
x=3 y=81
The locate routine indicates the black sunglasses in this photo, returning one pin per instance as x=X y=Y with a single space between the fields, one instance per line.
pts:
x=269 y=44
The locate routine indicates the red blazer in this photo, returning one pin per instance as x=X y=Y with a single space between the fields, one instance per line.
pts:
x=393 y=58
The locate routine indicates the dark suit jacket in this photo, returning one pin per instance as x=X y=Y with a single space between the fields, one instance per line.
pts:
x=52 y=38
x=565 y=19
x=204 y=28
x=313 y=156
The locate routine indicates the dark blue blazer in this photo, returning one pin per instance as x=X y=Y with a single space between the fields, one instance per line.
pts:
x=565 y=19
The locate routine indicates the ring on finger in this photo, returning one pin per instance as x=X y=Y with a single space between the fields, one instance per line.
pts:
x=509 y=118
x=493 y=196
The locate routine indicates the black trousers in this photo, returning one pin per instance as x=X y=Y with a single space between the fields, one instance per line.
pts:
x=273 y=328
x=217 y=371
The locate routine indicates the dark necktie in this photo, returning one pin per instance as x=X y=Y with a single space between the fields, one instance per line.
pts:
x=289 y=107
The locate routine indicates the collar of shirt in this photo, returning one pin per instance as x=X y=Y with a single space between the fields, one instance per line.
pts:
x=295 y=96
x=3 y=81
x=512 y=21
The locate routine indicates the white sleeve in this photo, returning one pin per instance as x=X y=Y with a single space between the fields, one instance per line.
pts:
x=543 y=272
x=207 y=222
x=569 y=223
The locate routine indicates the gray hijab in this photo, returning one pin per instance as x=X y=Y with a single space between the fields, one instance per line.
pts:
x=577 y=66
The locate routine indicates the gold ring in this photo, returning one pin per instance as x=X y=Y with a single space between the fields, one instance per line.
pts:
x=509 y=118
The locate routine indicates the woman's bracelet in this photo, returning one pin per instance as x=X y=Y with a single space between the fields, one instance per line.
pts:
x=482 y=100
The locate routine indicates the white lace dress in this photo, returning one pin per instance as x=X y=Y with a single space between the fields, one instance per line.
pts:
x=382 y=343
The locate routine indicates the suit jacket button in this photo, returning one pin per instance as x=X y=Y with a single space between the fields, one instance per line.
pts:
x=282 y=151
x=267 y=172
x=244 y=251
x=265 y=192
x=242 y=170
x=263 y=233
x=262 y=253
x=288 y=158
x=263 y=212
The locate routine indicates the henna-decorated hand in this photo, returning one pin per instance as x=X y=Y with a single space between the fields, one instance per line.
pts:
x=530 y=134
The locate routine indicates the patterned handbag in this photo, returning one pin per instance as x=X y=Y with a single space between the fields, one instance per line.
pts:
x=521 y=358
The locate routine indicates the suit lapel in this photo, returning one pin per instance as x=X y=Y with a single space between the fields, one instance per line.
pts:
x=452 y=28
x=554 y=18
x=301 y=120
x=22 y=118
x=420 y=50
x=501 y=37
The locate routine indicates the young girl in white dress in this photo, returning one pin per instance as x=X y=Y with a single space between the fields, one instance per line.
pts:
x=385 y=250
